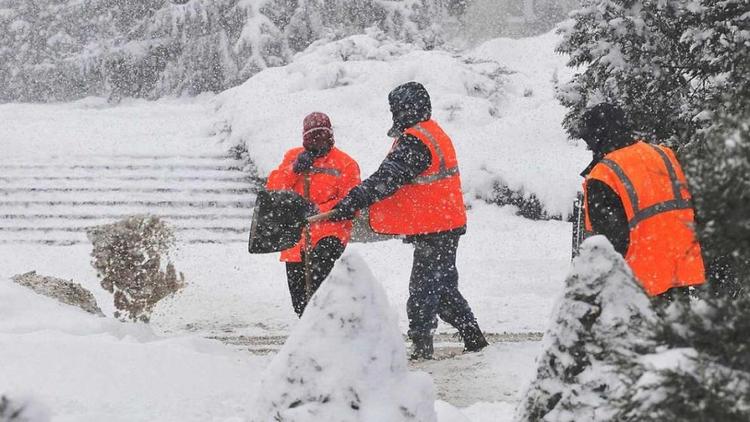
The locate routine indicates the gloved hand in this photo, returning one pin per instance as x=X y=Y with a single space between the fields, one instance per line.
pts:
x=311 y=210
x=345 y=210
x=303 y=162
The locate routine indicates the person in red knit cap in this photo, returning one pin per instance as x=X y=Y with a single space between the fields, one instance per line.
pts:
x=329 y=174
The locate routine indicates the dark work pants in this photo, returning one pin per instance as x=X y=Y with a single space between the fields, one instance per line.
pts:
x=433 y=287
x=676 y=294
x=324 y=255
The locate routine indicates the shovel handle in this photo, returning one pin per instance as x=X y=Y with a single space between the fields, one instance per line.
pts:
x=320 y=217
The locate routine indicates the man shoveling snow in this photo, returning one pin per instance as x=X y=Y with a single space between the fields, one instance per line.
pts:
x=416 y=192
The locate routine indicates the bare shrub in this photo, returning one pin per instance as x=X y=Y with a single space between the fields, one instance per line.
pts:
x=66 y=292
x=129 y=257
x=529 y=205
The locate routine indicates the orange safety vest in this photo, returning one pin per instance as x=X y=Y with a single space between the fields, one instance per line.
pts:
x=331 y=178
x=663 y=251
x=433 y=201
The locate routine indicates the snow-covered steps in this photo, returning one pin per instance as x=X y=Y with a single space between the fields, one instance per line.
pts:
x=54 y=200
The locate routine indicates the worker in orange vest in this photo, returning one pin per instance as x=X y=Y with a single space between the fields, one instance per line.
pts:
x=637 y=196
x=331 y=175
x=416 y=192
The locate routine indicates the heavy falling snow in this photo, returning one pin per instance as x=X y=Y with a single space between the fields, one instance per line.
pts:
x=218 y=349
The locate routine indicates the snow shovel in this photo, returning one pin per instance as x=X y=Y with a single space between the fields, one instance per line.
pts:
x=308 y=244
x=579 y=230
x=278 y=221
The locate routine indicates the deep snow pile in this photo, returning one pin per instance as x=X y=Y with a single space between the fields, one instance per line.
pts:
x=64 y=364
x=85 y=368
x=23 y=409
x=496 y=102
x=346 y=359
x=591 y=350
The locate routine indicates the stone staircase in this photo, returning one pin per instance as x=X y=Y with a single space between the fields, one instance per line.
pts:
x=207 y=198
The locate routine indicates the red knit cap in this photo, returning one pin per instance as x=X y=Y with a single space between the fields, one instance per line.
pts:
x=317 y=134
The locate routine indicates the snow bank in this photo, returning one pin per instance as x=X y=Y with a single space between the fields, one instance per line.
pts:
x=23 y=409
x=502 y=115
x=346 y=360
x=96 y=130
x=87 y=368
x=590 y=352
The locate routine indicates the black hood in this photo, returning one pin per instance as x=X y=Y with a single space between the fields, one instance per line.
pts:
x=604 y=128
x=410 y=104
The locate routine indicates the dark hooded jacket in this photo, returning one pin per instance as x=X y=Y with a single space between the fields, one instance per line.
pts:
x=605 y=130
x=410 y=105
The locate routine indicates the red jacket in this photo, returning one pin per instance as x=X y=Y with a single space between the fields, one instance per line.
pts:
x=331 y=178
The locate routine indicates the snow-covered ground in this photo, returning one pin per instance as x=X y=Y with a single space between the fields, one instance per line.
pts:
x=85 y=368
x=506 y=127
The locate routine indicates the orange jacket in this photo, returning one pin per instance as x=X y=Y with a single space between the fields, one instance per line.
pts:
x=433 y=201
x=664 y=251
x=331 y=178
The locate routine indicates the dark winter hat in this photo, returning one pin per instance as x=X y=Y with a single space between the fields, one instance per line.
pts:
x=410 y=104
x=604 y=127
x=317 y=135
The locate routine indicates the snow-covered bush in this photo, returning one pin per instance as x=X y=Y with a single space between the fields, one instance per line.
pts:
x=12 y=410
x=53 y=50
x=346 y=360
x=129 y=257
x=601 y=326
x=528 y=204
x=701 y=373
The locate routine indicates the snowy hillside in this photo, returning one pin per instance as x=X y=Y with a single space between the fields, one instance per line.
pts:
x=496 y=102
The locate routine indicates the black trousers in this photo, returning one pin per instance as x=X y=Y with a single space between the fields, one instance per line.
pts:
x=324 y=255
x=676 y=294
x=433 y=287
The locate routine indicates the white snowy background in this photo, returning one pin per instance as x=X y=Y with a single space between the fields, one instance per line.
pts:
x=495 y=100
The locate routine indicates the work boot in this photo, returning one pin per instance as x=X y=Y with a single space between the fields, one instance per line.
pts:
x=421 y=347
x=474 y=340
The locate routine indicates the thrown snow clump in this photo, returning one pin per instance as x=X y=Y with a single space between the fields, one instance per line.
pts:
x=600 y=328
x=346 y=360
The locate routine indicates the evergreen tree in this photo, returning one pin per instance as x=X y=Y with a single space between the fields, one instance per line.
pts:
x=60 y=50
x=600 y=329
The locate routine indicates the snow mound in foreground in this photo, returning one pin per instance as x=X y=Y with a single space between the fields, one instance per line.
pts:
x=600 y=324
x=87 y=368
x=346 y=360
x=24 y=409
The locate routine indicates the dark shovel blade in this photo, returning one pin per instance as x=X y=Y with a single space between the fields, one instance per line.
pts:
x=278 y=220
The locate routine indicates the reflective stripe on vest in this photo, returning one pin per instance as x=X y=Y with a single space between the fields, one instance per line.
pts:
x=325 y=170
x=677 y=203
x=443 y=172
x=433 y=201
